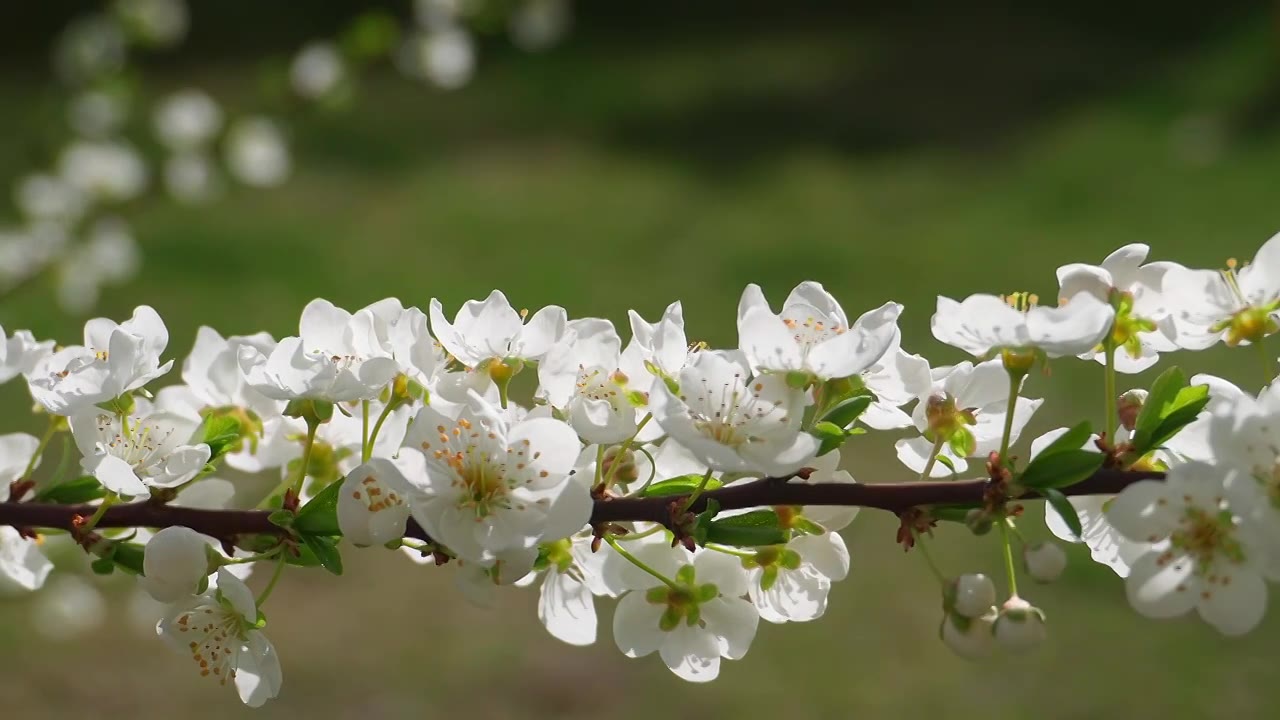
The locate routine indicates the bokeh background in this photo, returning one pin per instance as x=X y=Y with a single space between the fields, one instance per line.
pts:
x=669 y=150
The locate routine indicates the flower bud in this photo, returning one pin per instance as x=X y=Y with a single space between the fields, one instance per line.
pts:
x=1020 y=626
x=1044 y=561
x=625 y=460
x=1129 y=406
x=978 y=521
x=175 y=562
x=971 y=596
x=970 y=638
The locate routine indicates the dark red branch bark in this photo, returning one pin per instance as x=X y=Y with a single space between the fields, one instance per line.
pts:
x=893 y=497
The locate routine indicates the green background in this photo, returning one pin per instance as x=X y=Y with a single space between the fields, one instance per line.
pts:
x=889 y=159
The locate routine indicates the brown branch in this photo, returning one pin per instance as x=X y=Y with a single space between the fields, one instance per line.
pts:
x=893 y=497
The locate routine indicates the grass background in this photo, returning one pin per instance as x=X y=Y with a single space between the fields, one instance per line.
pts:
x=888 y=160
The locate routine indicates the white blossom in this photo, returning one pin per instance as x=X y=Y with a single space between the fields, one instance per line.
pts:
x=732 y=421
x=115 y=359
x=965 y=412
x=187 y=120
x=984 y=324
x=130 y=455
x=692 y=625
x=492 y=484
x=812 y=335
x=330 y=360
x=174 y=564
x=1201 y=556
x=219 y=631
x=1236 y=305
x=1143 y=328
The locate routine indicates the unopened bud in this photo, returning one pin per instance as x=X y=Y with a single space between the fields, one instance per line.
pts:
x=971 y=595
x=1020 y=626
x=970 y=638
x=625 y=462
x=1128 y=407
x=978 y=521
x=1044 y=561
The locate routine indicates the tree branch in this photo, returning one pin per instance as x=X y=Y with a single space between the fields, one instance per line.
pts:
x=893 y=497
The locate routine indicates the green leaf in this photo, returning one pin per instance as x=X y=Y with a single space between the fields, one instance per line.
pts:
x=1064 y=509
x=128 y=557
x=951 y=513
x=848 y=412
x=304 y=558
x=755 y=528
x=325 y=549
x=1073 y=439
x=320 y=515
x=1170 y=406
x=682 y=485
x=831 y=435
x=1163 y=390
x=222 y=433
x=73 y=492
x=1061 y=469
x=102 y=566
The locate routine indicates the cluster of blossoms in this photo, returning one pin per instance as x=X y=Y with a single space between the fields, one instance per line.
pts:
x=700 y=487
x=70 y=222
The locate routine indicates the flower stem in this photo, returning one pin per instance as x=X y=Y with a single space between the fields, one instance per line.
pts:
x=928 y=558
x=312 y=427
x=638 y=535
x=697 y=492
x=271 y=584
x=1109 y=387
x=92 y=522
x=44 y=443
x=730 y=550
x=933 y=457
x=366 y=449
x=392 y=404
x=626 y=554
x=626 y=445
x=1015 y=383
x=1008 y=559
x=1268 y=371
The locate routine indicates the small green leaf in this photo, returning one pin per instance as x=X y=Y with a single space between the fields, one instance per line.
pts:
x=102 y=566
x=950 y=513
x=848 y=412
x=128 y=556
x=304 y=558
x=831 y=435
x=1163 y=390
x=222 y=433
x=1073 y=439
x=682 y=485
x=325 y=549
x=1061 y=469
x=755 y=528
x=948 y=464
x=1170 y=406
x=73 y=492
x=282 y=518
x=1064 y=508
x=320 y=515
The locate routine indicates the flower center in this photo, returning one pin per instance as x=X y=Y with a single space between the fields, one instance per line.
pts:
x=1021 y=301
x=1206 y=537
x=683 y=601
x=214 y=636
x=139 y=447
x=810 y=327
